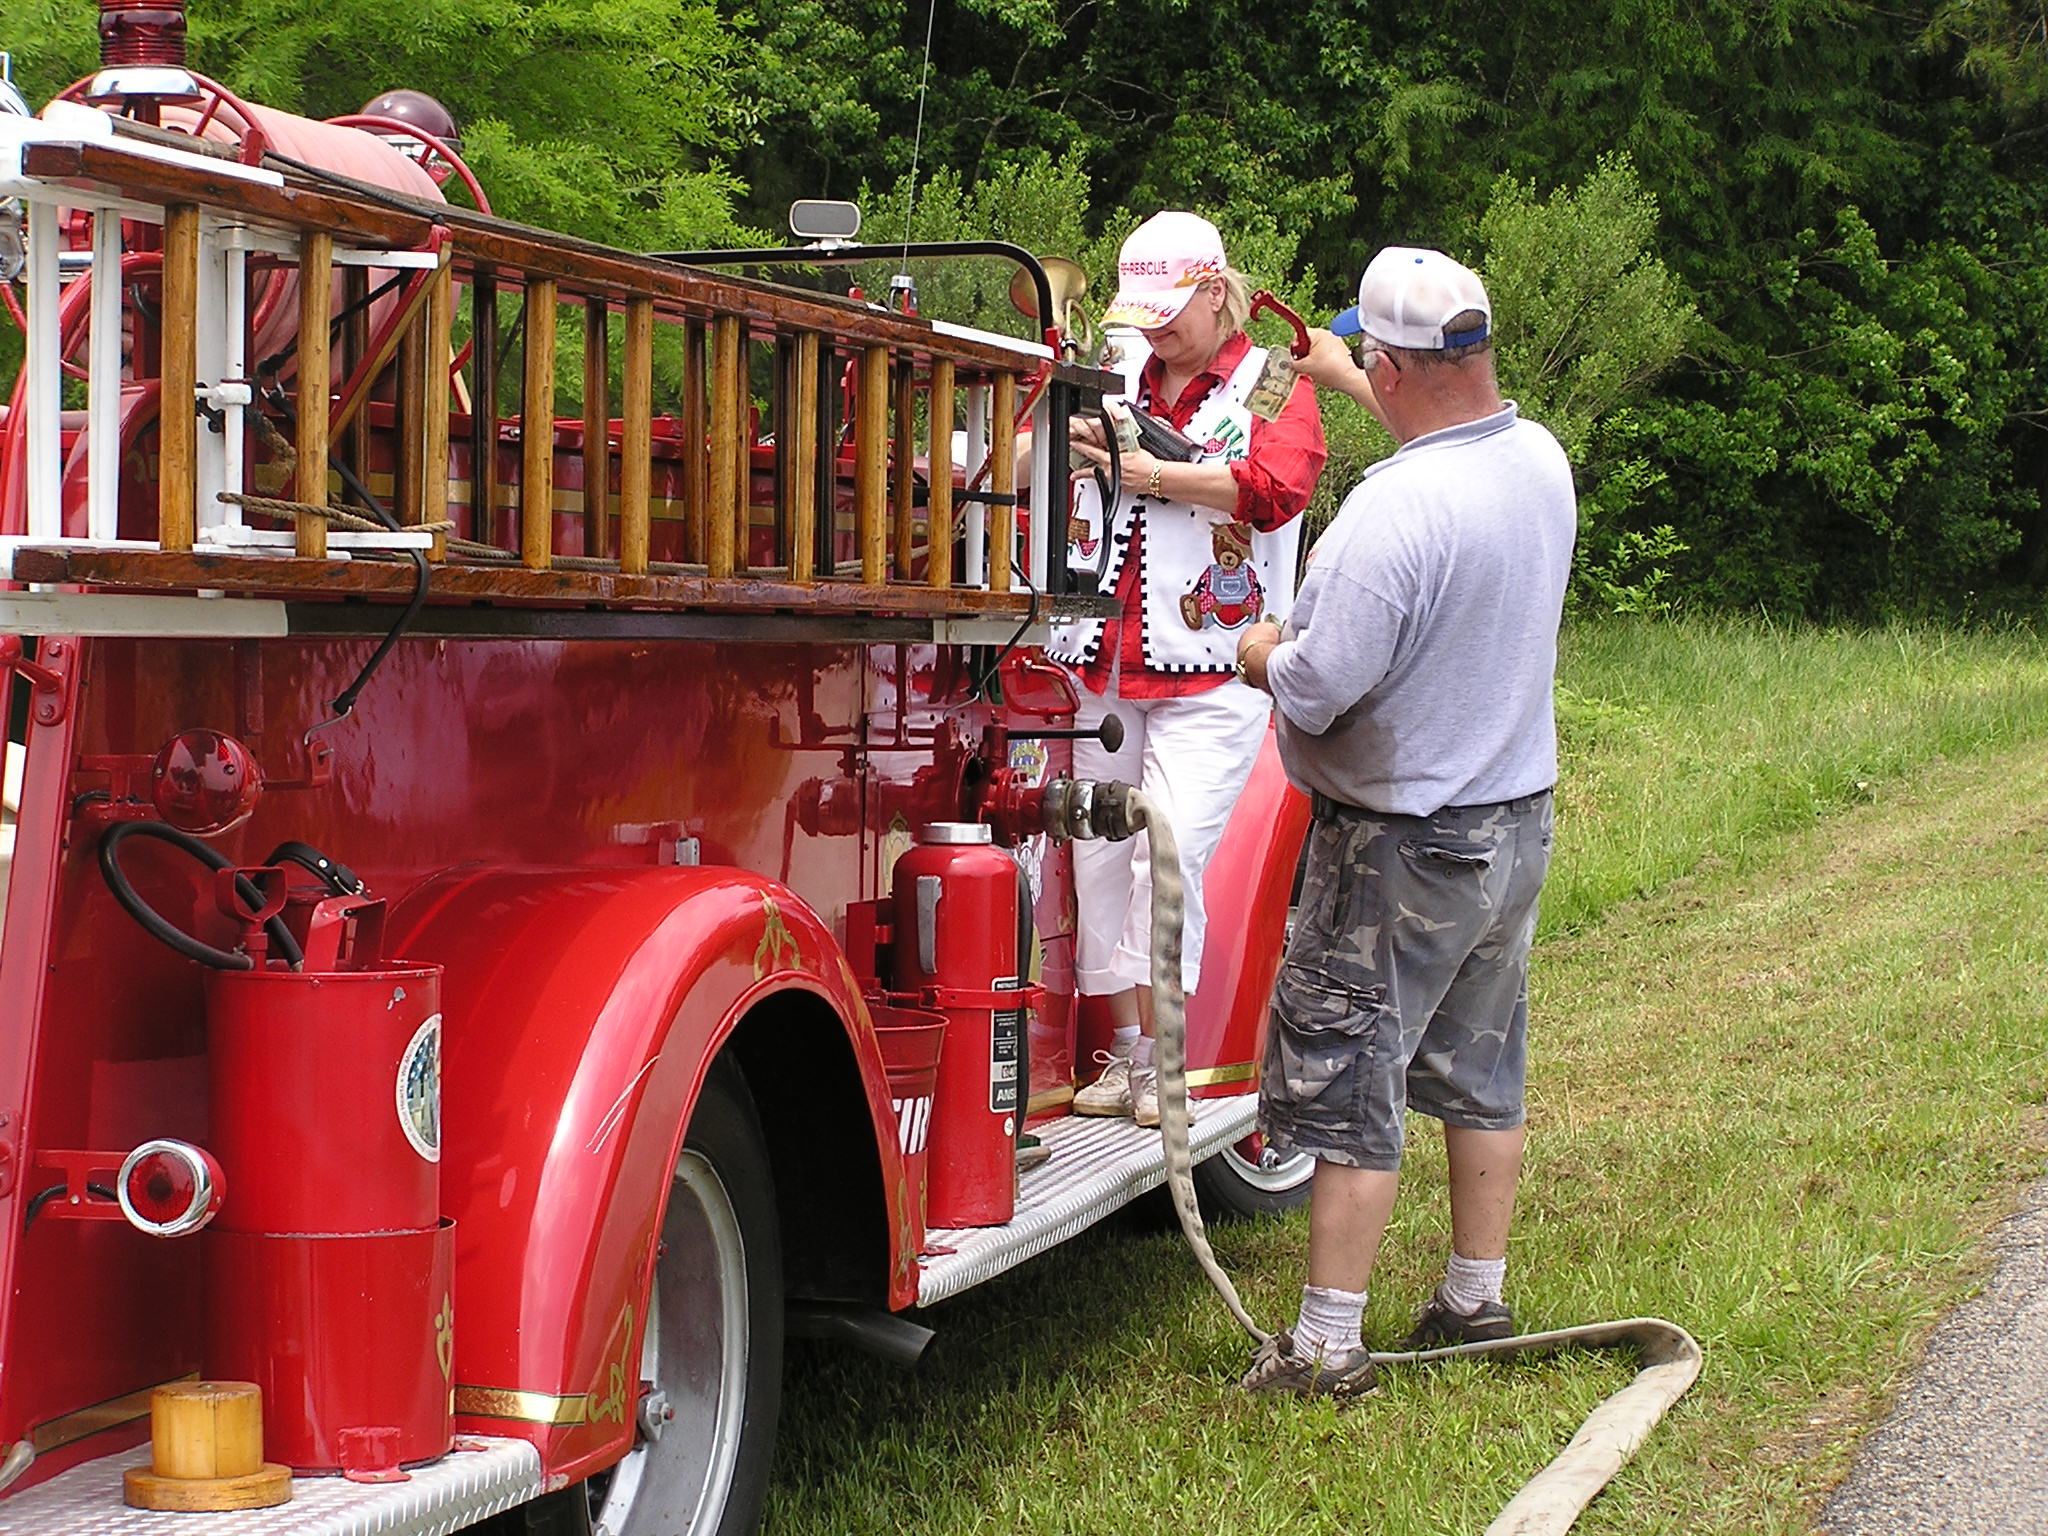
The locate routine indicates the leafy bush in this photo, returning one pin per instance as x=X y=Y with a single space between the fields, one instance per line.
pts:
x=1891 y=405
x=1585 y=317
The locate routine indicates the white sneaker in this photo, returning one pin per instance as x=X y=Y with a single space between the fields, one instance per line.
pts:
x=1109 y=1094
x=1145 y=1095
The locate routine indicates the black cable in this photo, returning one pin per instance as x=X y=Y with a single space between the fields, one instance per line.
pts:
x=159 y=926
x=43 y=1197
x=345 y=701
x=1111 y=494
x=433 y=213
x=1009 y=645
x=271 y=364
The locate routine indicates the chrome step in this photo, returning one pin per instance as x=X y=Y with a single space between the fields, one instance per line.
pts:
x=1096 y=1166
x=480 y=1477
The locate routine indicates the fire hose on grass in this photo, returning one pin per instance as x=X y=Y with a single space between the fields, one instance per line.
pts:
x=1670 y=1358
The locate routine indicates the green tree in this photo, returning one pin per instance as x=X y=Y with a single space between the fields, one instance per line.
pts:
x=608 y=119
x=2003 y=44
x=1587 y=317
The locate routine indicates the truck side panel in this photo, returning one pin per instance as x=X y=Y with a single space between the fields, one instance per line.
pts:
x=594 y=755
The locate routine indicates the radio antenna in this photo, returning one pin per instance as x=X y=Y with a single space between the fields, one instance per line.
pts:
x=902 y=283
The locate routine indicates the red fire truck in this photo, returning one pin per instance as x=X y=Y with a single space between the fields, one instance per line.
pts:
x=510 y=910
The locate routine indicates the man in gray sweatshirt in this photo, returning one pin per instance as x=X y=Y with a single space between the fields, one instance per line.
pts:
x=1413 y=691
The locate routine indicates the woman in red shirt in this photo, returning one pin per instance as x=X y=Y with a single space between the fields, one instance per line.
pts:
x=1199 y=550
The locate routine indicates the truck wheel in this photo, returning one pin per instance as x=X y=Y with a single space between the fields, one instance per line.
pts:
x=1247 y=1179
x=711 y=1361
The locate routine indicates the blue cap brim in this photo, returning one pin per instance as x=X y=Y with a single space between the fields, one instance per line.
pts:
x=1347 y=324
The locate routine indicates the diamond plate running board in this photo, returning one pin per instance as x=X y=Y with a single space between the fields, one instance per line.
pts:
x=478 y=1478
x=1096 y=1166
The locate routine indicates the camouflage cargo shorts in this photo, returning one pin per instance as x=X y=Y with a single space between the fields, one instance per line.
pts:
x=1406 y=981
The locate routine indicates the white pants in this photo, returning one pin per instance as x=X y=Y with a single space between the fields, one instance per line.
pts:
x=1190 y=756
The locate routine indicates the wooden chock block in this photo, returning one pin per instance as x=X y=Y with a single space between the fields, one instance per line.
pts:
x=206 y=1451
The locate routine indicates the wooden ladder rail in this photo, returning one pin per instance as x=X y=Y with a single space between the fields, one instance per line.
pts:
x=1002 y=536
x=636 y=437
x=721 y=510
x=696 y=422
x=431 y=503
x=939 y=475
x=597 y=419
x=870 y=445
x=736 y=444
x=537 y=429
x=408 y=486
x=805 y=430
x=178 y=429
x=315 y=366
x=903 y=498
x=349 y=426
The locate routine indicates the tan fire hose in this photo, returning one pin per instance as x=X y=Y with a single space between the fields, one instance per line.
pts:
x=1670 y=1357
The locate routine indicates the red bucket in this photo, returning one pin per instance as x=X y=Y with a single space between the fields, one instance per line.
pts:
x=909 y=1039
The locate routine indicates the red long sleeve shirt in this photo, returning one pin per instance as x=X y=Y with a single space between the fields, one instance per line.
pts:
x=1274 y=479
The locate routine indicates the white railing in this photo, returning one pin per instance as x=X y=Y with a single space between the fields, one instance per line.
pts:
x=220 y=326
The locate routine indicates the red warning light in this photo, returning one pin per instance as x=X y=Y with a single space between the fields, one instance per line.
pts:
x=203 y=782
x=169 y=1188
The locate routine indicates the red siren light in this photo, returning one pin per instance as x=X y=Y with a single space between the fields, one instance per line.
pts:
x=142 y=52
x=169 y=1188
x=203 y=782
x=144 y=32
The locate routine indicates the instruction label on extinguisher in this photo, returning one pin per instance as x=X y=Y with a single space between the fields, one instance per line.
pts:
x=1005 y=1051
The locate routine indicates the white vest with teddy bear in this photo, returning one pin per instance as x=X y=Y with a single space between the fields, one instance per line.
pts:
x=1206 y=576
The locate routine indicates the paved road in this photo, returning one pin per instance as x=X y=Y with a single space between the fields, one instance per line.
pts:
x=1966 y=1451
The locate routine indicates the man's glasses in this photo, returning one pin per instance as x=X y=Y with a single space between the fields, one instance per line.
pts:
x=1369 y=354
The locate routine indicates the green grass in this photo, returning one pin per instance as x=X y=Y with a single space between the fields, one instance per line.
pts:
x=1683 y=743
x=1789 y=1063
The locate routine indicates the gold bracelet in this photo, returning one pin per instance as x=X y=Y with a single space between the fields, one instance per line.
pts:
x=1152 y=483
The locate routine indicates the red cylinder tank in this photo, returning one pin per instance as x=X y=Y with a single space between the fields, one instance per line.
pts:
x=352 y=1339
x=330 y=1268
x=955 y=952
x=327 y=1098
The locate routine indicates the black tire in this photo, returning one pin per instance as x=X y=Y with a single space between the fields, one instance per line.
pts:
x=711 y=1364
x=1246 y=1180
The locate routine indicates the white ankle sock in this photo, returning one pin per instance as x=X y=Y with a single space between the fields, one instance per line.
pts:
x=1141 y=1050
x=1329 y=1320
x=1123 y=1040
x=1471 y=1283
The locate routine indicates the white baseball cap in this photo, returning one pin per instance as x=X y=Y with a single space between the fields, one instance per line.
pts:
x=1408 y=295
x=1162 y=265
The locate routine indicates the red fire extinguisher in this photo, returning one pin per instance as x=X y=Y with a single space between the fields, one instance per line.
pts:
x=955 y=952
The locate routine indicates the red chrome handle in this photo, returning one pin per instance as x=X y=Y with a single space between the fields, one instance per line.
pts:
x=1264 y=301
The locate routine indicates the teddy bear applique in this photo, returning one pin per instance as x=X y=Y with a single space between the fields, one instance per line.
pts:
x=1228 y=592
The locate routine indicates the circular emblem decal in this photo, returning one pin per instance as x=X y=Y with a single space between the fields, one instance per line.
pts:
x=419 y=1090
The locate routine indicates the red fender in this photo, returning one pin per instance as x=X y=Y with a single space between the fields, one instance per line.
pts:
x=1250 y=884
x=583 y=1009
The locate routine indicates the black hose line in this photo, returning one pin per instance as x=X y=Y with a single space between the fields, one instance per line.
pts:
x=335 y=875
x=159 y=926
x=345 y=702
